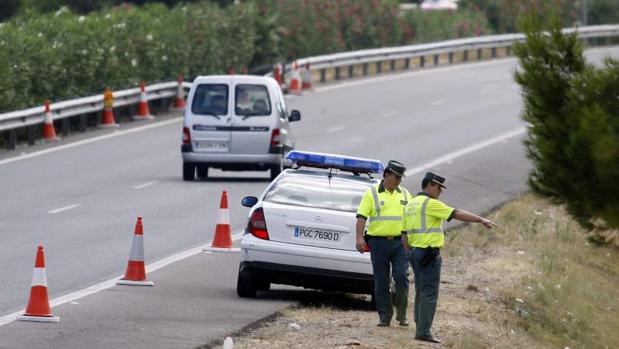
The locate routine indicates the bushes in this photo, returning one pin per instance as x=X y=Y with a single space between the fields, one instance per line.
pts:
x=573 y=112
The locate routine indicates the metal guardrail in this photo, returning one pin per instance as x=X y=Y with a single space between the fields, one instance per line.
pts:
x=323 y=69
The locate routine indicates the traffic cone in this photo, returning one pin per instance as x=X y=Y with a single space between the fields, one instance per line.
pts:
x=143 y=111
x=136 y=274
x=108 y=110
x=179 y=102
x=38 y=308
x=223 y=236
x=295 y=79
x=49 y=132
x=307 y=78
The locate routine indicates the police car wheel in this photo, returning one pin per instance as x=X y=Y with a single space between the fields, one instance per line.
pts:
x=202 y=171
x=245 y=285
x=189 y=171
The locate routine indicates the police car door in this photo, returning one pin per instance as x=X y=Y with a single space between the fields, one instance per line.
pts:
x=211 y=117
x=252 y=124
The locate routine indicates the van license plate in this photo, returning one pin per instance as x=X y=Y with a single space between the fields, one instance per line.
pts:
x=212 y=145
x=317 y=234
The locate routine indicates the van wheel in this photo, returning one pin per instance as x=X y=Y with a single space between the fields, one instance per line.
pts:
x=202 y=171
x=189 y=171
x=245 y=286
x=275 y=171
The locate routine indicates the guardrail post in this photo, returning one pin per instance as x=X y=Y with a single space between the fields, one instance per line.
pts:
x=436 y=58
x=451 y=57
x=392 y=65
x=323 y=73
x=84 y=121
x=479 y=54
x=508 y=51
x=11 y=139
x=351 y=71
x=337 y=73
x=365 y=69
x=422 y=61
x=465 y=57
x=379 y=67
x=494 y=52
x=65 y=126
x=30 y=134
x=407 y=63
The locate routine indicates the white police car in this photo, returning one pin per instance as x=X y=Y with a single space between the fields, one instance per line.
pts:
x=301 y=231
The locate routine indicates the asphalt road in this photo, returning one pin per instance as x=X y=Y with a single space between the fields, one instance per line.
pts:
x=80 y=201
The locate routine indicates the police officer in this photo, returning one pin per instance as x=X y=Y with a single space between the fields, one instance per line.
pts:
x=383 y=205
x=423 y=222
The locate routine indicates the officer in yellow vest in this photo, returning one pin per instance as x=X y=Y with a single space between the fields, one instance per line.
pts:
x=383 y=206
x=423 y=223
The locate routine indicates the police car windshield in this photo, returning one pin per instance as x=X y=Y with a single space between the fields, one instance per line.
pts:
x=340 y=193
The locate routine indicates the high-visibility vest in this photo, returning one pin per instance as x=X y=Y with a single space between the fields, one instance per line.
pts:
x=423 y=221
x=384 y=210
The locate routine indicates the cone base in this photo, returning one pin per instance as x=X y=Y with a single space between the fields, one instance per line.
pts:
x=140 y=117
x=54 y=139
x=134 y=283
x=108 y=125
x=38 y=318
x=221 y=249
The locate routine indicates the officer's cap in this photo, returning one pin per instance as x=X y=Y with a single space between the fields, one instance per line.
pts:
x=431 y=177
x=396 y=168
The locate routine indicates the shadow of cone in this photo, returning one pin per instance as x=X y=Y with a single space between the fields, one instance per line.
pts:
x=223 y=237
x=49 y=132
x=38 y=308
x=143 y=110
x=136 y=273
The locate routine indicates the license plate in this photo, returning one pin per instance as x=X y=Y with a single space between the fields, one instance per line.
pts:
x=211 y=145
x=317 y=234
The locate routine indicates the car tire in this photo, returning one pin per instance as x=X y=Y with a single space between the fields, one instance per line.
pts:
x=189 y=171
x=245 y=285
x=202 y=171
x=275 y=171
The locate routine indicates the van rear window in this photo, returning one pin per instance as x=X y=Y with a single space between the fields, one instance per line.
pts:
x=210 y=99
x=252 y=100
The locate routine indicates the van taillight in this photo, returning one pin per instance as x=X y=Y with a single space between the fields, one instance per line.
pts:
x=186 y=136
x=275 y=140
x=257 y=226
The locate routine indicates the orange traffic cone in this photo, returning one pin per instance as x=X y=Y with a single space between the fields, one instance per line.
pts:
x=49 y=132
x=307 y=78
x=143 y=111
x=136 y=274
x=223 y=236
x=108 y=110
x=38 y=306
x=295 y=79
x=179 y=102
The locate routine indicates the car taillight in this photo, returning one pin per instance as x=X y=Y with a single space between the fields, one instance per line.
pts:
x=275 y=138
x=257 y=225
x=186 y=136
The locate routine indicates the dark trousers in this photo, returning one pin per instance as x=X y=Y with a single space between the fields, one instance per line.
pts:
x=427 y=281
x=387 y=255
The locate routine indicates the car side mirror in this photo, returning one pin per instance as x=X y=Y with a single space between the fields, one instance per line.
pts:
x=295 y=115
x=249 y=201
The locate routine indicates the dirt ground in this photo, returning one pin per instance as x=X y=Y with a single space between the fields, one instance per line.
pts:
x=470 y=312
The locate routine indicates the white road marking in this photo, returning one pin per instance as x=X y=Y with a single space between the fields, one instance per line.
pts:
x=65 y=208
x=438 y=102
x=335 y=129
x=142 y=186
x=390 y=114
x=91 y=140
x=464 y=151
x=73 y=296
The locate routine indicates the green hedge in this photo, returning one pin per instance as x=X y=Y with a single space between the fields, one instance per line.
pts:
x=62 y=55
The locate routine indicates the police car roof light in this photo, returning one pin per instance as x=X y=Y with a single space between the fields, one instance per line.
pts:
x=344 y=163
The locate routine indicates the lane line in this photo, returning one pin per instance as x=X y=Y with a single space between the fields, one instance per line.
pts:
x=73 y=296
x=90 y=140
x=438 y=102
x=390 y=114
x=458 y=153
x=142 y=186
x=336 y=128
x=65 y=208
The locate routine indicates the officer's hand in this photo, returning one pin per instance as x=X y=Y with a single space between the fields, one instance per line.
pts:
x=488 y=223
x=361 y=245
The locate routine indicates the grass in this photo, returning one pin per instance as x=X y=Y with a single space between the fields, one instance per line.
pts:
x=569 y=296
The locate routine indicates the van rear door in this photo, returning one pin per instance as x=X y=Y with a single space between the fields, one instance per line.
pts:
x=210 y=118
x=253 y=123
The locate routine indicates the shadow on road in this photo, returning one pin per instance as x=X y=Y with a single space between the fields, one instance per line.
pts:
x=309 y=298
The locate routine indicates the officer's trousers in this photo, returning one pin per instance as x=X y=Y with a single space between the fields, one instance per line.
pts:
x=387 y=254
x=427 y=281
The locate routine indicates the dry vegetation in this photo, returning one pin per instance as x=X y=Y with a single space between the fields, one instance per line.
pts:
x=534 y=283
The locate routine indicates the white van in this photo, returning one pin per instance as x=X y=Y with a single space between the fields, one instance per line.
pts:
x=236 y=122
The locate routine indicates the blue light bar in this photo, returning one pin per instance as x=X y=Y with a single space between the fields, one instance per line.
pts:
x=340 y=162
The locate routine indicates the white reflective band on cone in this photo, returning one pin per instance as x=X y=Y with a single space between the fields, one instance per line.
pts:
x=137 y=248
x=38 y=277
x=223 y=216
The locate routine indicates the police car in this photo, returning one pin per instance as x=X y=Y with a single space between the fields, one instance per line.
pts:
x=301 y=230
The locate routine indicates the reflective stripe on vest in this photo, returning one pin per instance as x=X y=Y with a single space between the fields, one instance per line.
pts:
x=424 y=228
x=378 y=217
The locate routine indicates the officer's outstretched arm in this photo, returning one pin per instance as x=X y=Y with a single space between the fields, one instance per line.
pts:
x=360 y=227
x=467 y=216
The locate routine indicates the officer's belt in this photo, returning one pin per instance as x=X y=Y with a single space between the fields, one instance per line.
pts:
x=391 y=237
